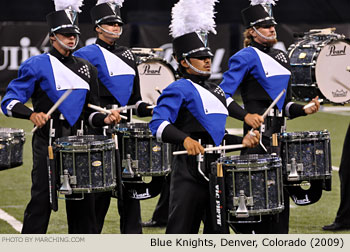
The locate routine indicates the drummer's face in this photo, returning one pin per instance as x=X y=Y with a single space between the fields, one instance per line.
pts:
x=267 y=31
x=201 y=63
x=111 y=27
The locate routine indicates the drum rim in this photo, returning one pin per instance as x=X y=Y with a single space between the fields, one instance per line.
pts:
x=95 y=141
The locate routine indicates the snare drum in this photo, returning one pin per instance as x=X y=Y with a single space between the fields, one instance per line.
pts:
x=155 y=75
x=140 y=152
x=11 y=147
x=306 y=155
x=320 y=66
x=253 y=185
x=88 y=162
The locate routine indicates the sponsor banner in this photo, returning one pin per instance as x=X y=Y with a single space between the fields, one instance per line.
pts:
x=21 y=40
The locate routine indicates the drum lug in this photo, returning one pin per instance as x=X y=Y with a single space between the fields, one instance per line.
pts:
x=129 y=165
x=294 y=168
x=242 y=201
x=65 y=188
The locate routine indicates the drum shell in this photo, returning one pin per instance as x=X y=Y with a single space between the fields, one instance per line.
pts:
x=260 y=177
x=155 y=75
x=314 y=73
x=11 y=147
x=311 y=149
x=148 y=156
x=90 y=161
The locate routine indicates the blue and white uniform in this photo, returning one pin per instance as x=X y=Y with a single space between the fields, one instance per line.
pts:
x=44 y=78
x=190 y=107
x=118 y=84
x=262 y=73
x=117 y=73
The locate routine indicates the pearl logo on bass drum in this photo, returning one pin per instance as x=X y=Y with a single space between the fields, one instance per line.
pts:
x=334 y=51
x=148 y=70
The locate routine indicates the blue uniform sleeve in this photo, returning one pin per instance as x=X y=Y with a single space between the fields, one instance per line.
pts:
x=232 y=78
x=19 y=89
x=166 y=113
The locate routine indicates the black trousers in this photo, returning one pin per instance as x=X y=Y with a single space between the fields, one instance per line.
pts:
x=343 y=214
x=189 y=199
x=129 y=211
x=38 y=211
x=81 y=214
x=161 y=212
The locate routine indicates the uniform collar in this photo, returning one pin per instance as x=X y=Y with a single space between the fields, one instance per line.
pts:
x=106 y=45
x=198 y=79
x=54 y=52
x=261 y=47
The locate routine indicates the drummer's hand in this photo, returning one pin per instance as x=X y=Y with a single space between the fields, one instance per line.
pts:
x=250 y=141
x=193 y=147
x=253 y=120
x=39 y=119
x=113 y=118
x=314 y=108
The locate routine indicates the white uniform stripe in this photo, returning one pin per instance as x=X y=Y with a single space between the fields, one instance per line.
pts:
x=160 y=130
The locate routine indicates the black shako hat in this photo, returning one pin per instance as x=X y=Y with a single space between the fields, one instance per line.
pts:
x=106 y=13
x=191 y=45
x=257 y=15
x=63 y=21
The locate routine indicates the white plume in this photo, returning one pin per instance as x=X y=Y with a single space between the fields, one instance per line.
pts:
x=117 y=2
x=192 y=15
x=65 y=4
x=256 y=2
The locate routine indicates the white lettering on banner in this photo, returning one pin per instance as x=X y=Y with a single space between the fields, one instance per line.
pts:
x=15 y=55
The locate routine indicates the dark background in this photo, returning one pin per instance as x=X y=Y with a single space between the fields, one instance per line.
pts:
x=23 y=30
x=157 y=11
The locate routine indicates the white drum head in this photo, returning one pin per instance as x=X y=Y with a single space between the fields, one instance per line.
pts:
x=154 y=74
x=333 y=71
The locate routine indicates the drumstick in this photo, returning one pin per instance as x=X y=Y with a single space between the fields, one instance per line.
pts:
x=312 y=104
x=226 y=147
x=158 y=90
x=55 y=106
x=269 y=108
x=127 y=107
x=97 y=108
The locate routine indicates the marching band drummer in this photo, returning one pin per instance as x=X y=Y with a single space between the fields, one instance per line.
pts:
x=44 y=78
x=190 y=109
x=119 y=84
x=262 y=72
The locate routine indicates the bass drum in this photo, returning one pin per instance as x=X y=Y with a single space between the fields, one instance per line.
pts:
x=155 y=75
x=320 y=65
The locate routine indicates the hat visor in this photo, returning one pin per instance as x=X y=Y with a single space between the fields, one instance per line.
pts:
x=117 y=20
x=266 y=22
x=204 y=53
x=68 y=30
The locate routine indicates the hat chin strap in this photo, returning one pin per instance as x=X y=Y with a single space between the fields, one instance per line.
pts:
x=263 y=36
x=197 y=70
x=71 y=48
x=111 y=33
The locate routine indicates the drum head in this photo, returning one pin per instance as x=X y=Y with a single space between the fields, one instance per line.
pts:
x=154 y=74
x=333 y=71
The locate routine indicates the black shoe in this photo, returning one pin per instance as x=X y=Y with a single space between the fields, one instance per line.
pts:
x=336 y=227
x=152 y=223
